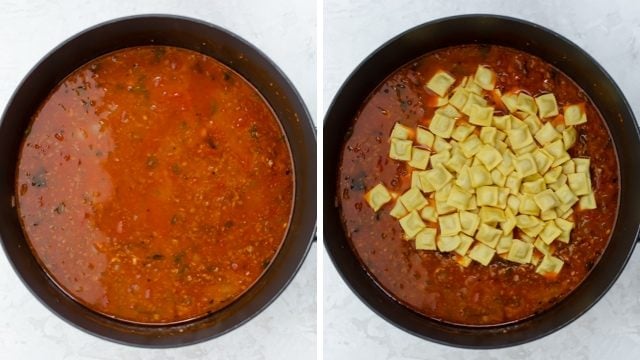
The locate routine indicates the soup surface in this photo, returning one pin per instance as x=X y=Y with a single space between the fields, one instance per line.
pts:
x=435 y=283
x=155 y=184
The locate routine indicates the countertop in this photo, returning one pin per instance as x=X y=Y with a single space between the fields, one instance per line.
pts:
x=609 y=31
x=28 y=30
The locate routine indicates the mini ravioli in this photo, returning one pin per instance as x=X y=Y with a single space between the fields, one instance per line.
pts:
x=575 y=115
x=485 y=78
x=492 y=183
x=489 y=156
x=424 y=137
x=440 y=83
x=520 y=252
x=419 y=158
x=426 y=239
x=412 y=224
x=401 y=132
x=400 y=149
x=429 y=213
x=549 y=266
x=413 y=199
x=481 y=115
x=519 y=138
x=377 y=197
x=482 y=253
x=547 y=105
x=449 y=224
x=459 y=198
x=465 y=243
x=448 y=243
x=442 y=125
x=526 y=103
x=398 y=210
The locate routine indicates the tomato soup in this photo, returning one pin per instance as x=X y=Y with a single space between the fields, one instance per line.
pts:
x=454 y=284
x=155 y=185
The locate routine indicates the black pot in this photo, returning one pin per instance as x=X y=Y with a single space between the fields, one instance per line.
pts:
x=233 y=52
x=551 y=47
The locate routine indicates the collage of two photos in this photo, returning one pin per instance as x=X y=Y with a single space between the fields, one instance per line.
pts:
x=319 y=180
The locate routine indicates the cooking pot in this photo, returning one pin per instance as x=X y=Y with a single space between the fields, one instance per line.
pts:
x=554 y=49
x=232 y=51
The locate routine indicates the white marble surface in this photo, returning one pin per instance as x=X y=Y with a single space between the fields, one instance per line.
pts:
x=28 y=30
x=609 y=31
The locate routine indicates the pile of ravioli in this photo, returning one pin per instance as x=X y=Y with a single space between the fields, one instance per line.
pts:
x=487 y=182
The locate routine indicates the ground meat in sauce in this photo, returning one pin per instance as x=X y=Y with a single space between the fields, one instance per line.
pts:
x=155 y=185
x=433 y=283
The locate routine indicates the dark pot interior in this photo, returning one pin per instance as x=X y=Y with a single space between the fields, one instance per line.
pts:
x=536 y=40
x=233 y=52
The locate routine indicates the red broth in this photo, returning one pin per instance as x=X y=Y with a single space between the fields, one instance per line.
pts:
x=155 y=185
x=433 y=283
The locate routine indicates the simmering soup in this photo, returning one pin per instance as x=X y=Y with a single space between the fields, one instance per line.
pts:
x=155 y=184
x=478 y=185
